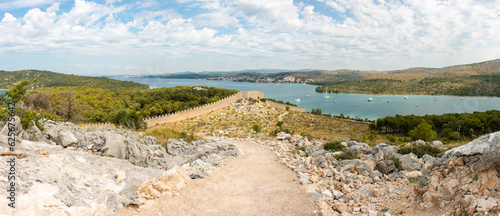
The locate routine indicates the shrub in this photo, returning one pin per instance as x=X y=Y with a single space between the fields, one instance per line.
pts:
x=287 y=108
x=256 y=127
x=348 y=155
x=263 y=100
x=420 y=150
x=334 y=146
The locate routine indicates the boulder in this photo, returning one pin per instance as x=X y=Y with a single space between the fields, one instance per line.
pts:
x=468 y=175
x=283 y=136
x=14 y=126
x=385 y=166
x=360 y=148
x=168 y=184
x=65 y=138
x=387 y=150
x=486 y=148
x=115 y=145
x=409 y=162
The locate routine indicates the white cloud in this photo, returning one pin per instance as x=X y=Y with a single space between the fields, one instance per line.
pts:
x=23 y=3
x=272 y=34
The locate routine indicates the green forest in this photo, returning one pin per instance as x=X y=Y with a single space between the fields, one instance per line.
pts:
x=51 y=79
x=479 y=85
x=453 y=126
x=92 y=105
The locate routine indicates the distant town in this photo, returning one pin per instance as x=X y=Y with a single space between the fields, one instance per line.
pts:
x=286 y=79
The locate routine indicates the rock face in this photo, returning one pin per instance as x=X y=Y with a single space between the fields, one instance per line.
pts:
x=95 y=171
x=468 y=176
x=73 y=181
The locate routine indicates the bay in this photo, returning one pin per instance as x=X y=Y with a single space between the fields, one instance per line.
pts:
x=353 y=105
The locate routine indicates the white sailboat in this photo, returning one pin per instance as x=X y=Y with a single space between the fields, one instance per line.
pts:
x=370 y=99
x=326 y=90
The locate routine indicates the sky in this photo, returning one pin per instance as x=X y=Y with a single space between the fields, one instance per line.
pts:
x=121 y=37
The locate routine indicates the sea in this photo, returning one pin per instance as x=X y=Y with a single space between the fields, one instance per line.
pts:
x=352 y=105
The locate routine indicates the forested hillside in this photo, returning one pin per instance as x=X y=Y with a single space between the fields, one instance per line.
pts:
x=124 y=107
x=50 y=79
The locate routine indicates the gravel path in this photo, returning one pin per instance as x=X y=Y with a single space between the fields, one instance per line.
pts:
x=252 y=184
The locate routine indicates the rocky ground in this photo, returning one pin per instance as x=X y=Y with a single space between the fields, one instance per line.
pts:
x=462 y=181
x=84 y=171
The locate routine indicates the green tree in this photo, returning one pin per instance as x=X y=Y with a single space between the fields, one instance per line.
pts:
x=17 y=92
x=423 y=131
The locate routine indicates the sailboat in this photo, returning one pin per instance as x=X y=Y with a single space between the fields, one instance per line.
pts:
x=326 y=90
x=370 y=99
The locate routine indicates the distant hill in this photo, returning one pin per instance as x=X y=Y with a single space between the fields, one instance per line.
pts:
x=477 y=79
x=50 y=79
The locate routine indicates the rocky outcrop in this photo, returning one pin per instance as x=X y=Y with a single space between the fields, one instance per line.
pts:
x=54 y=180
x=465 y=178
x=468 y=177
x=97 y=171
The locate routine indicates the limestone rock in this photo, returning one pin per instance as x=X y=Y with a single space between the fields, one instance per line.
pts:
x=168 y=184
x=409 y=162
x=385 y=166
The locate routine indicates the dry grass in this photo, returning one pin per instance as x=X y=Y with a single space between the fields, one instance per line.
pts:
x=237 y=121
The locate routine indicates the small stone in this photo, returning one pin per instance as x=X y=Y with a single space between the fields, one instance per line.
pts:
x=323 y=206
x=340 y=207
x=45 y=153
x=327 y=193
x=313 y=179
x=486 y=205
x=337 y=194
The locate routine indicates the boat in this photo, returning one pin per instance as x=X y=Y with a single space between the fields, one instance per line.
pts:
x=297 y=100
x=378 y=97
x=335 y=101
x=388 y=101
x=370 y=99
x=416 y=105
x=308 y=95
x=435 y=99
x=461 y=98
x=326 y=96
x=406 y=97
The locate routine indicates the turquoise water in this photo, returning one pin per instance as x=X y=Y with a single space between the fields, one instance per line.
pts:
x=353 y=105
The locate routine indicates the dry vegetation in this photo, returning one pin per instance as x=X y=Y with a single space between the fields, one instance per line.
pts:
x=237 y=121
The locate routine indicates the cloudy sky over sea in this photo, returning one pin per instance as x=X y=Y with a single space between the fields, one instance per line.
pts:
x=109 y=37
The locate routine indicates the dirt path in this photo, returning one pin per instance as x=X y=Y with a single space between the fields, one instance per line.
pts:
x=252 y=184
x=280 y=118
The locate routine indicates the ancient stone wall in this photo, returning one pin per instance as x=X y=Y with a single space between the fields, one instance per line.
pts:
x=204 y=109
x=193 y=112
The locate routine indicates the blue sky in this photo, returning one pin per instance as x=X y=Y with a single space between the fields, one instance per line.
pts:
x=111 y=37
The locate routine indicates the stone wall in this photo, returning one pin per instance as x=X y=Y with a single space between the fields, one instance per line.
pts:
x=283 y=106
x=204 y=109
x=193 y=112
